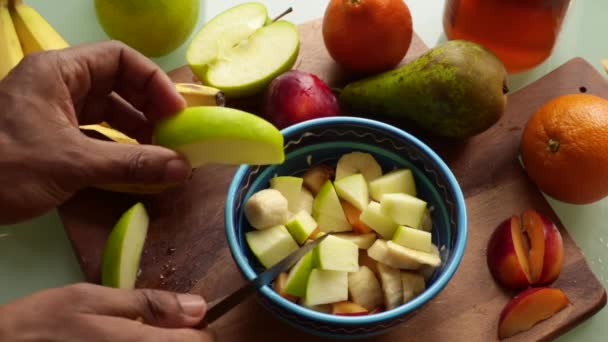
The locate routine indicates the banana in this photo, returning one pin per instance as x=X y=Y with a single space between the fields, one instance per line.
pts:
x=379 y=251
x=358 y=162
x=392 y=286
x=413 y=285
x=364 y=288
x=34 y=31
x=200 y=95
x=11 y=53
x=266 y=208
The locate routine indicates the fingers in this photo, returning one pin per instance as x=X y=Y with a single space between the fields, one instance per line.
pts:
x=113 y=163
x=124 y=330
x=154 y=307
x=94 y=70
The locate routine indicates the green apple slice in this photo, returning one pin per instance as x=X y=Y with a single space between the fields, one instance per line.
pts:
x=353 y=189
x=271 y=245
x=241 y=50
x=374 y=218
x=328 y=212
x=364 y=288
x=405 y=255
x=212 y=134
x=363 y=241
x=290 y=187
x=392 y=286
x=398 y=181
x=379 y=251
x=413 y=238
x=298 y=276
x=404 y=209
x=301 y=225
x=325 y=286
x=122 y=252
x=336 y=254
x=305 y=200
x=413 y=285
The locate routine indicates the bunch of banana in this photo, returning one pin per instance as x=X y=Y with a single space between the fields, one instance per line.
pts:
x=24 y=30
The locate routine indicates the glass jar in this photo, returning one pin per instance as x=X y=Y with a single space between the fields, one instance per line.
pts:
x=521 y=33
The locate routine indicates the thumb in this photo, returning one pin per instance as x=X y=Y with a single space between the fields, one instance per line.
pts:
x=155 y=307
x=109 y=162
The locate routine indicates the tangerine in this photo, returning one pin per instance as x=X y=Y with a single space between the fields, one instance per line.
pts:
x=367 y=36
x=564 y=148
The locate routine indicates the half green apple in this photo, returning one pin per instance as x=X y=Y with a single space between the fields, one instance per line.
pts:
x=122 y=252
x=212 y=134
x=241 y=50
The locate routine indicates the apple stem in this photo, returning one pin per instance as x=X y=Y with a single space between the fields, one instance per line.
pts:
x=287 y=11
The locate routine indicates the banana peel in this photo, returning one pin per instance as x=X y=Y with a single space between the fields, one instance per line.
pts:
x=195 y=95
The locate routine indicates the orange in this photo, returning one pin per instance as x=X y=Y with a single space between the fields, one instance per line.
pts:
x=564 y=148
x=367 y=36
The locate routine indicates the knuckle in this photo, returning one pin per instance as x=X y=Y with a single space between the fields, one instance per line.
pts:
x=79 y=291
x=138 y=161
x=151 y=302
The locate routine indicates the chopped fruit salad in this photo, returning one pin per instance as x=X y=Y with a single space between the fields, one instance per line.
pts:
x=379 y=254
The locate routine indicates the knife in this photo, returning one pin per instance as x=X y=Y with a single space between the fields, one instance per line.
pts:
x=220 y=307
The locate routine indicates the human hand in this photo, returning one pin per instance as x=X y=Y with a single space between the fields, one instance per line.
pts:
x=87 y=312
x=46 y=158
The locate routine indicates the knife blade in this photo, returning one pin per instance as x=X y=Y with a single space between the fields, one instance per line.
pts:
x=220 y=307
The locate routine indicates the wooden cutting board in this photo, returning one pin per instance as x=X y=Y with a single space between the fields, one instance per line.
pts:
x=186 y=248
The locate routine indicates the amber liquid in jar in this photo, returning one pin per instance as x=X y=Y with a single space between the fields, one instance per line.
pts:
x=521 y=33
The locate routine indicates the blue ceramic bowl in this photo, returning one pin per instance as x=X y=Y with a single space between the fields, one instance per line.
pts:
x=324 y=141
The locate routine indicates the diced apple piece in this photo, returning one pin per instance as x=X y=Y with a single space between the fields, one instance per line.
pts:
x=347 y=308
x=413 y=285
x=363 y=241
x=364 y=288
x=327 y=210
x=507 y=256
x=546 y=254
x=397 y=181
x=379 y=252
x=529 y=308
x=378 y=221
x=279 y=287
x=413 y=238
x=266 y=208
x=301 y=225
x=358 y=162
x=295 y=283
x=392 y=287
x=324 y=308
x=353 y=216
x=336 y=254
x=403 y=209
x=407 y=255
x=305 y=200
x=317 y=176
x=353 y=189
x=271 y=245
x=325 y=286
x=366 y=260
x=290 y=187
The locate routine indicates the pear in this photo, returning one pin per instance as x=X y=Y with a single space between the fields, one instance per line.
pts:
x=455 y=90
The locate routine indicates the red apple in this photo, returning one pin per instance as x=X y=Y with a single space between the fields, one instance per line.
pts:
x=347 y=308
x=507 y=255
x=297 y=96
x=528 y=308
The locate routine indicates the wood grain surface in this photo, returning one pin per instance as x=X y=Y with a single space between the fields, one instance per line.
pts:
x=186 y=248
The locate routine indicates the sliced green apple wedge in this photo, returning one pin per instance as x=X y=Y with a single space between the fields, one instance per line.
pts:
x=241 y=50
x=301 y=225
x=305 y=200
x=336 y=254
x=381 y=223
x=122 y=252
x=327 y=210
x=271 y=245
x=353 y=189
x=398 y=181
x=325 y=287
x=290 y=187
x=413 y=238
x=404 y=209
x=298 y=276
x=212 y=134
